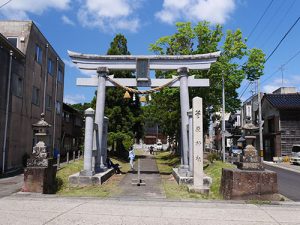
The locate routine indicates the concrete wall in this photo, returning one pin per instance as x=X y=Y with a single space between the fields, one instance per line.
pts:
x=23 y=112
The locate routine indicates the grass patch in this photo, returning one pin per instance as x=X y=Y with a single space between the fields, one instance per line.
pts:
x=166 y=161
x=214 y=170
x=258 y=202
x=108 y=189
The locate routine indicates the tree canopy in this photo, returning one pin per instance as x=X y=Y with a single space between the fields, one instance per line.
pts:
x=236 y=62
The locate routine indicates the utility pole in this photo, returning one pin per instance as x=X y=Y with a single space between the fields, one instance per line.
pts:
x=260 y=122
x=223 y=117
x=281 y=69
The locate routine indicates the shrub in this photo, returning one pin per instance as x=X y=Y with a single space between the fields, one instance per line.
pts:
x=212 y=156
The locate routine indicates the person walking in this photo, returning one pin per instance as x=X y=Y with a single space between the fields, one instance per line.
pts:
x=131 y=157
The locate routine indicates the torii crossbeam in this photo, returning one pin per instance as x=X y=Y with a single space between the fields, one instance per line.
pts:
x=142 y=64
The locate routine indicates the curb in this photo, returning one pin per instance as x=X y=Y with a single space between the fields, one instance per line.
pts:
x=281 y=167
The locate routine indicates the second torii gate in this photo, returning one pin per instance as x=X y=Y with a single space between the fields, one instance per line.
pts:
x=102 y=64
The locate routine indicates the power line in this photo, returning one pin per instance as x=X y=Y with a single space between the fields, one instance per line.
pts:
x=291 y=28
x=279 y=24
x=271 y=20
x=287 y=62
x=5 y=3
x=249 y=82
x=260 y=19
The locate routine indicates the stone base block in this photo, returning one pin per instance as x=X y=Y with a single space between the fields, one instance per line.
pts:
x=207 y=181
x=243 y=184
x=78 y=180
x=182 y=178
x=40 y=180
x=249 y=166
x=86 y=173
x=201 y=190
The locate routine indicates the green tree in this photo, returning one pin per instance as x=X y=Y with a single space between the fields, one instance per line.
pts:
x=235 y=63
x=81 y=107
x=125 y=115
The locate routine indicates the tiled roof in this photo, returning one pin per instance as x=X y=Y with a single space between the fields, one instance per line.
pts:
x=284 y=101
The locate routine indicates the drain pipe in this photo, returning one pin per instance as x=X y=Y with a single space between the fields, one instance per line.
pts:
x=55 y=96
x=6 y=111
x=45 y=80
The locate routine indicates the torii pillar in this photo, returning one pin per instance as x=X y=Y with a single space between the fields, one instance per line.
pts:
x=100 y=160
x=184 y=106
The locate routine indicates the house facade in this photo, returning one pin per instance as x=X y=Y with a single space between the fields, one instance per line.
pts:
x=281 y=115
x=72 y=130
x=36 y=87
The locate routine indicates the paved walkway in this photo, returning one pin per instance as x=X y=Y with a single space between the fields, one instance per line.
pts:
x=22 y=209
x=151 y=176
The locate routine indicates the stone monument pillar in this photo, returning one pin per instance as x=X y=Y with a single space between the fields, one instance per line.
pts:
x=197 y=143
x=40 y=173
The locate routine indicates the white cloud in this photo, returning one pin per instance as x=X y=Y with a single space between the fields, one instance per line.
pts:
x=215 y=11
x=19 y=9
x=109 y=15
x=73 y=99
x=292 y=81
x=67 y=20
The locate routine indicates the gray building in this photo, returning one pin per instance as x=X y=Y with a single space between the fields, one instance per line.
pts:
x=35 y=87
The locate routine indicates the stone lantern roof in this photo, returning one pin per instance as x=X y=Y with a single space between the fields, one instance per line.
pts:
x=41 y=123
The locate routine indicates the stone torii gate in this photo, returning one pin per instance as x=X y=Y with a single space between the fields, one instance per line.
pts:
x=102 y=64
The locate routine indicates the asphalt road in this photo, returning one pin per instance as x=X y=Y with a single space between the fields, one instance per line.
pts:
x=288 y=182
x=11 y=185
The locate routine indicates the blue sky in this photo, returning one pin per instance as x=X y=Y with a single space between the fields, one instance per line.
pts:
x=88 y=26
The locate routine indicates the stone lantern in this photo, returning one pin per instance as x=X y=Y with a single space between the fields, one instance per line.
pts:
x=250 y=159
x=40 y=173
x=39 y=155
x=249 y=180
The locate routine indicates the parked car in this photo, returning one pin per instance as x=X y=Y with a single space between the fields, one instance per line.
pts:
x=295 y=159
x=235 y=151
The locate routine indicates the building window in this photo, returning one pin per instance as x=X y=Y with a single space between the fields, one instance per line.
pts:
x=35 y=95
x=13 y=41
x=38 y=54
x=67 y=117
x=248 y=111
x=17 y=85
x=50 y=68
x=48 y=102
x=60 y=75
x=78 y=122
x=58 y=107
